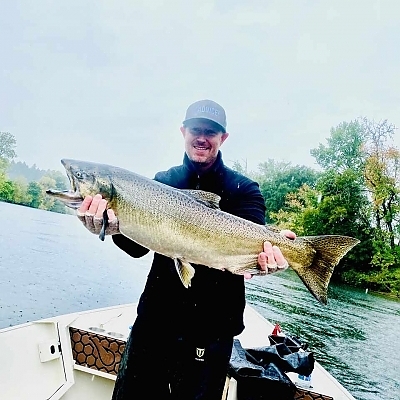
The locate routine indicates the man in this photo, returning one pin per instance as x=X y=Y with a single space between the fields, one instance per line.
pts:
x=181 y=341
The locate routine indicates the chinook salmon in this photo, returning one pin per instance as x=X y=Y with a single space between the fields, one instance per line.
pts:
x=189 y=227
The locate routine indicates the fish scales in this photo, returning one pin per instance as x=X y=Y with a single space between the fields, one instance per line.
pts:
x=190 y=227
x=187 y=226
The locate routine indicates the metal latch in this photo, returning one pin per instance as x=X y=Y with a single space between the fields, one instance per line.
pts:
x=49 y=350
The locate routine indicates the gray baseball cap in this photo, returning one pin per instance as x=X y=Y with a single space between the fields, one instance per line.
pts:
x=207 y=109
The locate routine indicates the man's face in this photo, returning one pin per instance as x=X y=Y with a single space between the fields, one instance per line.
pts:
x=202 y=141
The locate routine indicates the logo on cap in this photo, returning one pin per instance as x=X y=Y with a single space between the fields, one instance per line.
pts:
x=207 y=109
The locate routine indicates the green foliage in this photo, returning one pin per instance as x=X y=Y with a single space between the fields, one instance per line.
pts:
x=279 y=179
x=20 y=192
x=361 y=197
x=297 y=213
x=387 y=281
x=337 y=206
x=344 y=149
x=343 y=204
x=381 y=172
x=18 y=170
x=25 y=185
x=6 y=189
x=35 y=193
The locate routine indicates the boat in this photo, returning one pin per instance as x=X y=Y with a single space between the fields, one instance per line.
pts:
x=76 y=357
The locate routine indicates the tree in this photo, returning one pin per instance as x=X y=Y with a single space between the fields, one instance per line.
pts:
x=58 y=179
x=20 y=192
x=337 y=206
x=6 y=189
x=35 y=193
x=278 y=179
x=297 y=213
x=344 y=149
x=364 y=148
x=7 y=146
x=382 y=172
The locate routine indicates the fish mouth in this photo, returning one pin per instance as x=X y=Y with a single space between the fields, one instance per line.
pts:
x=71 y=198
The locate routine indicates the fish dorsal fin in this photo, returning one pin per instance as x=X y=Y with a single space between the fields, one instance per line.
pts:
x=209 y=199
x=185 y=271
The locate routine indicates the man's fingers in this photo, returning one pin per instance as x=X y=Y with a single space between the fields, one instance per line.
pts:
x=289 y=234
x=262 y=260
x=111 y=215
x=89 y=222
x=98 y=223
x=271 y=259
x=113 y=227
x=101 y=206
x=91 y=211
x=278 y=256
x=85 y=204
x=95 y=204
x=269 y=252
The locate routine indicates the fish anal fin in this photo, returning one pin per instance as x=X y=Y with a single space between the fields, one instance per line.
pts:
x=329 y=250
x=185 y=271
x=209 y=199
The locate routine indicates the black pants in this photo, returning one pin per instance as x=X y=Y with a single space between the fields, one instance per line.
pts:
x=159 y=366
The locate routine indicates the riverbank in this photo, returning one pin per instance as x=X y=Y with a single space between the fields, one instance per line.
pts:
x=385 y=282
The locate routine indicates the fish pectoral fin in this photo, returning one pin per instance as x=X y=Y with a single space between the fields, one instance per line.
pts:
x=185 y=271
x=207 y=198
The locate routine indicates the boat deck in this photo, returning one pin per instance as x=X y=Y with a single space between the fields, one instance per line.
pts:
x=76 y=356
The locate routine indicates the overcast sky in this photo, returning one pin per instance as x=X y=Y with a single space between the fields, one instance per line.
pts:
x=110 y=81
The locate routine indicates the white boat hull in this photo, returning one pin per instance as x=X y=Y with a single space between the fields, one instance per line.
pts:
x=76 y=356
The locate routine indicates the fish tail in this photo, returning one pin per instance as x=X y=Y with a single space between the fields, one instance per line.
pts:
x=329 y=250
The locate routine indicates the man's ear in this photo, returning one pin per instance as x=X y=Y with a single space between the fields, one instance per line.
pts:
x=224 y=137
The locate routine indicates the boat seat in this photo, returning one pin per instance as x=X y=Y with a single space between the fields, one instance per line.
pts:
x=96 y=350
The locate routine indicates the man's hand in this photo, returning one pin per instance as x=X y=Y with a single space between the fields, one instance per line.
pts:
x=90 y=214
x=271 y=259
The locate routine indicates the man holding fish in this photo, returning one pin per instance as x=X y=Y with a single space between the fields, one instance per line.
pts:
x=181 y=341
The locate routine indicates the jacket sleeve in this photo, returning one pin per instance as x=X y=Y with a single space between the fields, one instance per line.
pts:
x=129 y=246
x=249 y=203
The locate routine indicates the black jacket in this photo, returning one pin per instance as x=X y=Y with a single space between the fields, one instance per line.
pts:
x=213 y=305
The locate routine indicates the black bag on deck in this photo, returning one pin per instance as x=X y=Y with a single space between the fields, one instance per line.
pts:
x=279 y=354
x=260 y=372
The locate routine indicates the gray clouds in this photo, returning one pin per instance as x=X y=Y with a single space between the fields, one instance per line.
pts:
x=110 y=81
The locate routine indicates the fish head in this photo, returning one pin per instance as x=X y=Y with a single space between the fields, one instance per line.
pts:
x=86 y=179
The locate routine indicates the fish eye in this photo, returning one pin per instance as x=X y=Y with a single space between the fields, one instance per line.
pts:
x=79 y=174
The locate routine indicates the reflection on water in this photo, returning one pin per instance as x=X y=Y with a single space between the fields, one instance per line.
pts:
x=355 y=337
x=50 y=265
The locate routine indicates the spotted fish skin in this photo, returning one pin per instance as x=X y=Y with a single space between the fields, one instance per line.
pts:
x=189 y=227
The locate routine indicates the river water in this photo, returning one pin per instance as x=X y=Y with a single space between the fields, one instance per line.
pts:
x=50 y=265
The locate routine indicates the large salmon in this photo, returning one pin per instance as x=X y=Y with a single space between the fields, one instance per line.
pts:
x=189 y=227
